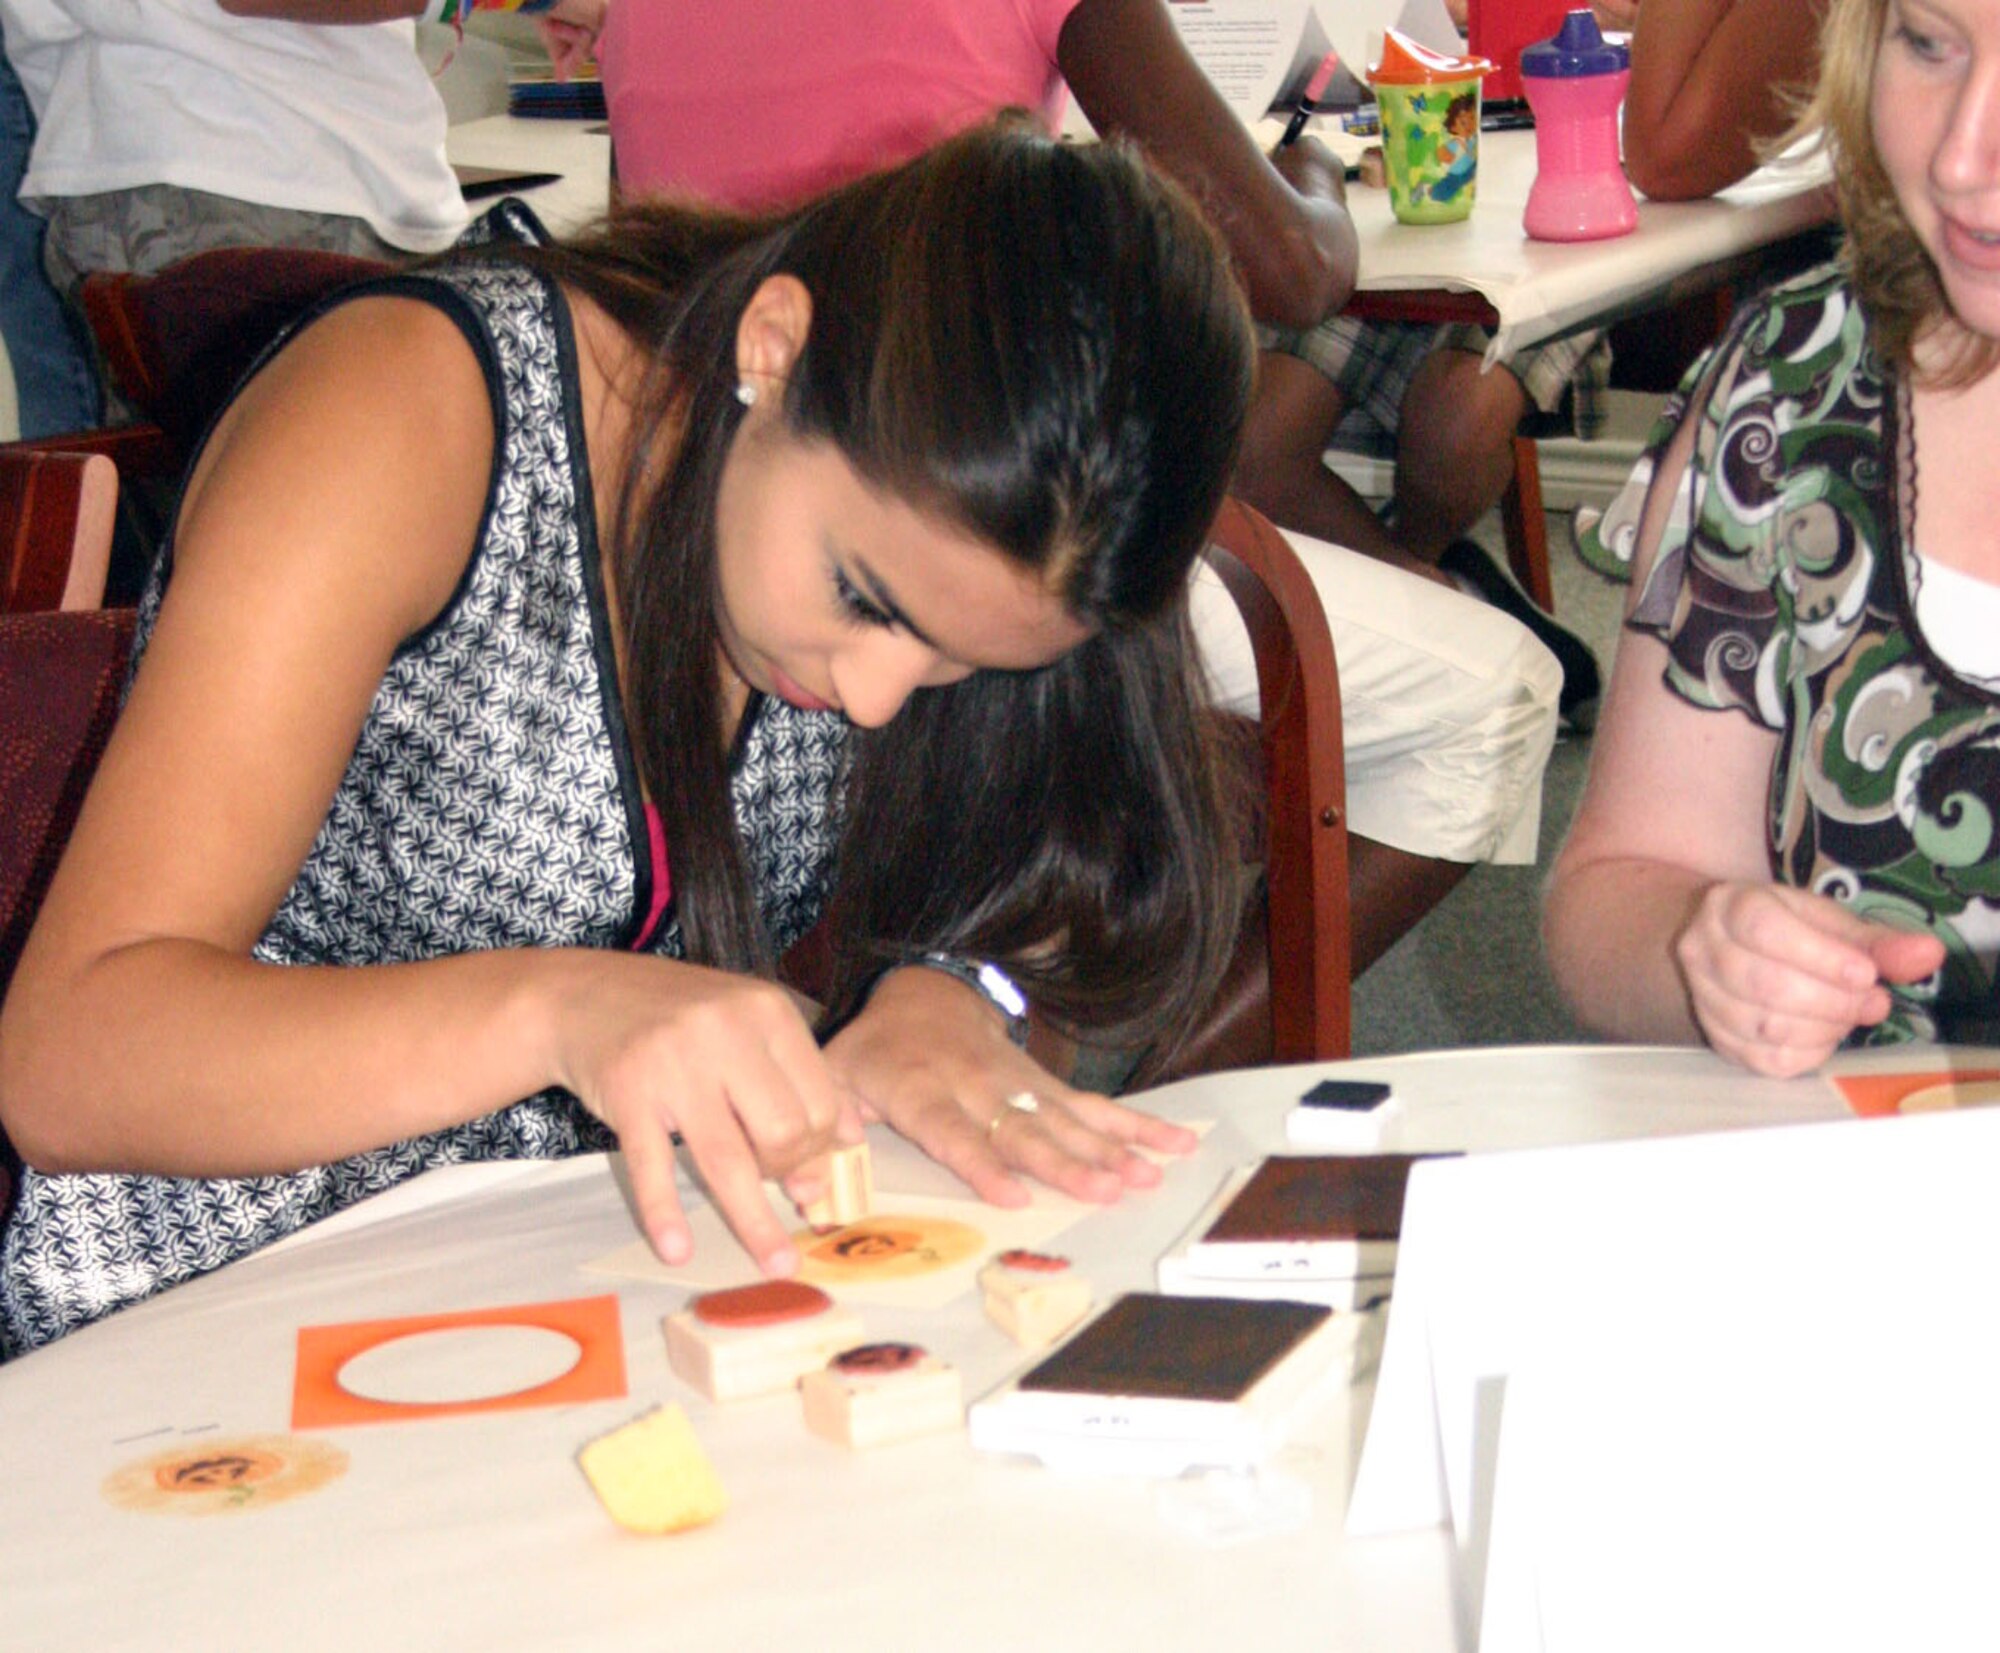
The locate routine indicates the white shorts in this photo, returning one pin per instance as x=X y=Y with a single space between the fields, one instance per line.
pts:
x=1448 y=705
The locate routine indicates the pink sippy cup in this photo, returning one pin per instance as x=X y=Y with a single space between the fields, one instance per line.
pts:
x=1574 y=83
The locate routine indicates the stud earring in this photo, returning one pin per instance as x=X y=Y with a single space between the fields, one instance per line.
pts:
x=746 y=393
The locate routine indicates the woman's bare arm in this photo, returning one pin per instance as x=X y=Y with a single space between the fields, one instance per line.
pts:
x=1710 y=80
x=330 y=517
x=1662 y=920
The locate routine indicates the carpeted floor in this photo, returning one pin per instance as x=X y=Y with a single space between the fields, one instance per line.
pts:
x=1472 y=972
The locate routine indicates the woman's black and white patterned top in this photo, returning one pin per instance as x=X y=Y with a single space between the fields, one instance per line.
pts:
x=491 y=802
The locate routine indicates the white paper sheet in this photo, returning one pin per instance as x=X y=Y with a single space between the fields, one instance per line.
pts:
x=1728 y=1391
x=1261 y=53
x=1250 y=49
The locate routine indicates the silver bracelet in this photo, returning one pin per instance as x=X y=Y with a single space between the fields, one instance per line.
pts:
x=988 y=980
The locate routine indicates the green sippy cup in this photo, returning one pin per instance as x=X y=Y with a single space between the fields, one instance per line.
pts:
x=1430 y=129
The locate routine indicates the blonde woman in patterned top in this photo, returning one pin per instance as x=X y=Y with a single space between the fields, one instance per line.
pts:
x=1790 y=839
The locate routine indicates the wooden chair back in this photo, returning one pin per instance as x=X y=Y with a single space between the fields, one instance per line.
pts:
x=1288 y=997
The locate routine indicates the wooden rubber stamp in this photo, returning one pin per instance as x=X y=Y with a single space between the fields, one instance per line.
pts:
x=1312 y=1226
x=882 y=1392
x=850 y=1189
x=756 y=1340
x=1032 y=1297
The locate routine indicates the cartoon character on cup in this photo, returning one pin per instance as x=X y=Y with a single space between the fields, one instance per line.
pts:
x=1459 y=150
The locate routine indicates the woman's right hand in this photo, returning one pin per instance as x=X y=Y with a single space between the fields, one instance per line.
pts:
x=654 y=1046
x=1778 y=978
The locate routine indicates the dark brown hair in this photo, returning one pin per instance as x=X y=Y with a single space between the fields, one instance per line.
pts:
x=1040 y=344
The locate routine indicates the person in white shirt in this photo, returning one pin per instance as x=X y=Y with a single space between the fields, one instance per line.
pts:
x=168 y=128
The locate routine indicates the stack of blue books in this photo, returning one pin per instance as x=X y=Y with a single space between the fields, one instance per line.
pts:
x=580 y=98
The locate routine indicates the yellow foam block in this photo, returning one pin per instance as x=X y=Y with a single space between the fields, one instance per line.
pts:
x=652 y=1475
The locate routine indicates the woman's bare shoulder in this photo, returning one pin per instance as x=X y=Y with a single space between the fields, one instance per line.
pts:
x=360 y=455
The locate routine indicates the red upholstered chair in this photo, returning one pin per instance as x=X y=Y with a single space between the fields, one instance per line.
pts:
x=61 y=677
x=62 y=670
x=61 y=673
x=176 y=342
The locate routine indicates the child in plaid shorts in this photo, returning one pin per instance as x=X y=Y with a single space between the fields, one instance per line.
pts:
x=1422 y=395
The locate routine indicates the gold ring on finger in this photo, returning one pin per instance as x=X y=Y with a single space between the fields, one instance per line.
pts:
x=1021 y=1102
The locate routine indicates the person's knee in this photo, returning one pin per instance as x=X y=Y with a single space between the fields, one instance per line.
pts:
x=1449 y=707
x=1524 y=714
x=1458 y=415
x=1291 y=419
x=1454 y=447
x=1500 y=744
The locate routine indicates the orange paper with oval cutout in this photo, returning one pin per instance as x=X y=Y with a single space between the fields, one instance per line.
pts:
x=320 y=1400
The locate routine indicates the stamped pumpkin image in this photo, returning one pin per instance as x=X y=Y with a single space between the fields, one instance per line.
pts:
x=225 y=1477
x=886 y=1247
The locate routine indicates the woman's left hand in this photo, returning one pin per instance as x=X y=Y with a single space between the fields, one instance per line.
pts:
x=928 y=1057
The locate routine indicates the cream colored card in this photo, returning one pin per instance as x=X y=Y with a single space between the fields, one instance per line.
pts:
x=920 y=1247
x=912 y=1251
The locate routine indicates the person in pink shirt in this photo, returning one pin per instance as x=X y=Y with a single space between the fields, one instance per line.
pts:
x=687 y=124
x=761 y=103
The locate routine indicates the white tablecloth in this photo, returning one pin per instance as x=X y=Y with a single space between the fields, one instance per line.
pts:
x=1541 y=288
x=479 y=1531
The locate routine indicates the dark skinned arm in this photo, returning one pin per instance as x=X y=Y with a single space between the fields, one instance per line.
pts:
x=1285 y=222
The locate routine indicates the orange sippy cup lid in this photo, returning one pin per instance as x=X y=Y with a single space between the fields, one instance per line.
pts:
x=1406 y=62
